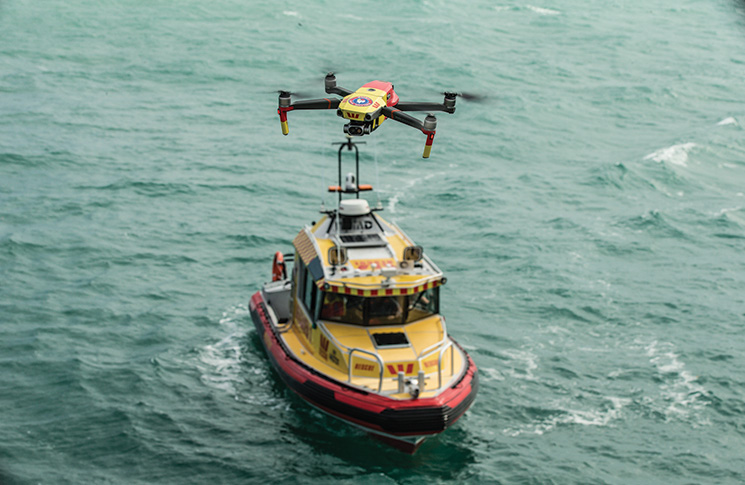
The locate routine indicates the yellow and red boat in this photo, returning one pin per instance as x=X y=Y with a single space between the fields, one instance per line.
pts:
x=355 y=327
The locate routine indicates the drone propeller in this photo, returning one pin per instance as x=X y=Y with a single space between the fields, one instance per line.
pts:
x=326 y=73
x=448 y=104
x=465 y=96
x=299 y=94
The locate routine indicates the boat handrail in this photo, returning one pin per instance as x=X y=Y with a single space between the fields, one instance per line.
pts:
x=377 y=357
x=331 y=336
x=428 y=350
x=439 y=362
x=440 y=346
x=443 y=347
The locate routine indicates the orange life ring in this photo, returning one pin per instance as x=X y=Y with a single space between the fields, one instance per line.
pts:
x=279 y=272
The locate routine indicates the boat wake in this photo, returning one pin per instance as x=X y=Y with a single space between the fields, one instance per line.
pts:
x=220 y=363
x=564 y=414
x=402 y=191
x=675 y=394
x=523 y=364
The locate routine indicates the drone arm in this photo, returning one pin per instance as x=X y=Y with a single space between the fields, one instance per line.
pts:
x=398 y=115
x=285 y=106
x=339 y=90
x=416 y=106
x=324 y=103
x=428 y=126
x=447 y=105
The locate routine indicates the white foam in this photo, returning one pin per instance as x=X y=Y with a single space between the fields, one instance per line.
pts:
x=680 y=390
x=676 y=154
x=411 y=183
x=727 y=210
x=291 y=13
x=491 y=374
x=392 y=204
x=526 y=362
x=220 y=363
x=594 y=417
x=543 y=11
x=556 y=330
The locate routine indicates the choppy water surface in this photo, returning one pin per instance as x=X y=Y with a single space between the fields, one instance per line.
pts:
x=590 y=217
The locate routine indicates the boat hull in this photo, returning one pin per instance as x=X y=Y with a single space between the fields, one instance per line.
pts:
x=401 y=423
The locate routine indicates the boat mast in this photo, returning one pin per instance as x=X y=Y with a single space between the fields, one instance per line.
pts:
x=349 y=144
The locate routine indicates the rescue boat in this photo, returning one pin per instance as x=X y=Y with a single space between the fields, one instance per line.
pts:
x=355 y=327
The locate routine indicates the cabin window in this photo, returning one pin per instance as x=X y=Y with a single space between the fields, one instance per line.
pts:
x=299 y=272
x=423 y=304
x=386 y=310
x=343 y=308
x=318 y=298
x=307 y=291
x=381 y=310
x=309 y=295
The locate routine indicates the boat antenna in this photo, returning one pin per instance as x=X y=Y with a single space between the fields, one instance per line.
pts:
x=323 y=172
x=377 y=175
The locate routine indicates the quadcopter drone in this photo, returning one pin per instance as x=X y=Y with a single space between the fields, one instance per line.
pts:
x=367 y=108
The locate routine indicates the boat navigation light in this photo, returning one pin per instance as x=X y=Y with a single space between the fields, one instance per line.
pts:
x=337 y=256
x=413 y=253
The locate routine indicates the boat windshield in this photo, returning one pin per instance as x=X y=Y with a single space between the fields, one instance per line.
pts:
x=379 y=310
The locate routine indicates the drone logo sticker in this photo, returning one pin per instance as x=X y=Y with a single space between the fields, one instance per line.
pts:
x=360 y=101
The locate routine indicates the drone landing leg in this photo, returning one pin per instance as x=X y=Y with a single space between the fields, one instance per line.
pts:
x=283 y=121
x=428 y=144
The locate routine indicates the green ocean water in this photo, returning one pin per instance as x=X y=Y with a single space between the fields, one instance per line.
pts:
x=589 y=216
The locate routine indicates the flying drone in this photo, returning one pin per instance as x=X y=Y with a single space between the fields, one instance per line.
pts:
x=367 y=108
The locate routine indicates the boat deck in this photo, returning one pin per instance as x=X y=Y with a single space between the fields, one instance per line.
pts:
x=426 y=351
